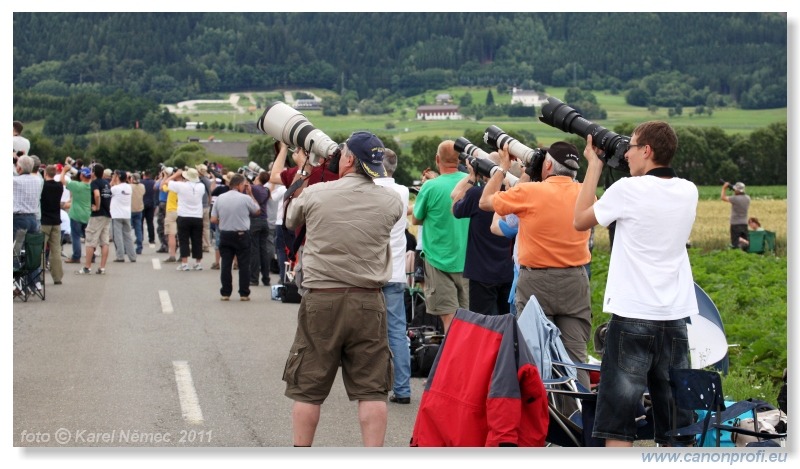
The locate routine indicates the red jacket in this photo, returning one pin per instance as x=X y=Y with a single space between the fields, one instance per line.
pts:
x=480 y=391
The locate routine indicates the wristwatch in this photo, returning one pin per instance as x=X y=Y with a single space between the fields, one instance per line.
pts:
x=470 y=182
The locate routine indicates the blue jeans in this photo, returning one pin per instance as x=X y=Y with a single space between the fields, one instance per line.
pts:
x=638 y=356
x=398 y=337
x=27 y=222
x=136 y=221
x=76 y=231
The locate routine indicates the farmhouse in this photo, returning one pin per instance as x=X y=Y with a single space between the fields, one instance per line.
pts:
x=307 y=105
x=438 y=112
x=194 y=125
x=527 y=97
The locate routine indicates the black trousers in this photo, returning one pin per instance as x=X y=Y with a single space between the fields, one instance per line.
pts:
x=190 y=229
x=234 y=244
x=147 y=218
x=490 y=299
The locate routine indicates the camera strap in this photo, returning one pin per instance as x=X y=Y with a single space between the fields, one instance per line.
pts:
x=662 y=172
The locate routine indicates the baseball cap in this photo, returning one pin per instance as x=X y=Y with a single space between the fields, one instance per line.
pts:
x=565 y=153
x=368 y=149
x=86 y=172
x=739 y=187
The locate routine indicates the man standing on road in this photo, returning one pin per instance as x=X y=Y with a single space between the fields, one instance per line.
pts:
x=121 y=193
x=551 y=252
x=51 y=221
x=394 y=291
x=97 y=231
x=346 y=260
x=231 y=212
x=489 y=266
x=650 y=290
x=79 y=210
x=444 y=238
x=740 y=204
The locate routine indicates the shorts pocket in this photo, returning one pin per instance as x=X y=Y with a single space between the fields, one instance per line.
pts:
x=290 y=371
x=320 y=318
x=634 y=352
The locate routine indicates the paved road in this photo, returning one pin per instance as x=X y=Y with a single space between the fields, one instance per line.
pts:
x=103 y=362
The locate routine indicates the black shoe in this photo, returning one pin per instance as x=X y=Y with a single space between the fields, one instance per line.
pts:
x=162 y=250
x=253 y=284
x=399 y=400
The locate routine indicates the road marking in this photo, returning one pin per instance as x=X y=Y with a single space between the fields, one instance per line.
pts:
x=156 y=264
x=166 y=303
x=190 y=405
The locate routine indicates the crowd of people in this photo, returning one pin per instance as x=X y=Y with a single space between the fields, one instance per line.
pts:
x=341 y=227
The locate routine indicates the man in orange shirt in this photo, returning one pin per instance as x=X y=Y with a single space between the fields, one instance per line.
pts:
x=551 y=252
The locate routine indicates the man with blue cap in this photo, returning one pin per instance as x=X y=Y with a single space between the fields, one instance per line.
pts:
x=346 y=260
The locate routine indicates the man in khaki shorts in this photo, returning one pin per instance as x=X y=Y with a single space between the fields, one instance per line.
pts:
x=444 y=238
x=99 y=227
x=346 y=260
x=171 y=221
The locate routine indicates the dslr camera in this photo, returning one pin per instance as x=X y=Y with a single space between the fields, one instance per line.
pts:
x=290 y=126
x=557 y=114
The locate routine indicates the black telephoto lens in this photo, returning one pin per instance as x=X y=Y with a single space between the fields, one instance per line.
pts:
x=557 y=114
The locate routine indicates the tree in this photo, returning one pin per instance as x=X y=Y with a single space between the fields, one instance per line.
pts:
x=489 y=98
x=466 y=99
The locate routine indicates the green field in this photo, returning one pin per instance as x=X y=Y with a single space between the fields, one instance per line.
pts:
x=407 y=128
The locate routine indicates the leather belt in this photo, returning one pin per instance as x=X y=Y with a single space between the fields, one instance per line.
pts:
x=525 y=267
x=345 y=290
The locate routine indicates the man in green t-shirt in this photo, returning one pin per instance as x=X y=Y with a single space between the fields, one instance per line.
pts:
x=444 y=238
x=80 y=208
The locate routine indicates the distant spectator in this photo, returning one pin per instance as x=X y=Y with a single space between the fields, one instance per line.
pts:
x=21 y=144
x=740 y=203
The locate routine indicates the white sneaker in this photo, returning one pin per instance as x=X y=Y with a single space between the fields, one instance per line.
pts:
x=197 y=267
x=183 y=267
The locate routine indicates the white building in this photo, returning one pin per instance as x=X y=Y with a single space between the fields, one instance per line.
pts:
x=527 y=97
x=193 y=125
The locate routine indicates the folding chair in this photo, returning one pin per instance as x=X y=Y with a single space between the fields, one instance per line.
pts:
x=29 y=265
x=702 y=390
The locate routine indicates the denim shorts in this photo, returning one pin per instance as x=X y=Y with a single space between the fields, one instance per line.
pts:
x=637 y=358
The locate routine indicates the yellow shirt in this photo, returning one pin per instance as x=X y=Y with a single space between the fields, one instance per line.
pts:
x=172 y=199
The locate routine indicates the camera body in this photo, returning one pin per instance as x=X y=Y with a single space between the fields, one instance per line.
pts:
x=290 y=126
x=557 y=114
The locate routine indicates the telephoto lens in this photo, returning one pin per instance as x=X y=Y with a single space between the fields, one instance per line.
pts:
x=557 y=114
x=471 y=154
x=290 y=126
x=495 y=137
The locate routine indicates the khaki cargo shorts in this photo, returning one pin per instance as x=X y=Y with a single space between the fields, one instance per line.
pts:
x=340 y=328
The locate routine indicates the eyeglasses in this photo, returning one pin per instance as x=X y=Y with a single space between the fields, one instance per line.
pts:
x=631 y=145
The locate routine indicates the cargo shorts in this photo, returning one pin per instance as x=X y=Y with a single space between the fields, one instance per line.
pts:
x=333 y=328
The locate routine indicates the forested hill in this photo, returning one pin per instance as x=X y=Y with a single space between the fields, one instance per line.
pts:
x=172 y=56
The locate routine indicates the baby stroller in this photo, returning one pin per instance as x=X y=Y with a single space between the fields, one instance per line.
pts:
x=29 y=265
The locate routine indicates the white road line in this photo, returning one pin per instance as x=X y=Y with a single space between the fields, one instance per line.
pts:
x=166 y=303
x=156 y=264
x=190 y=405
